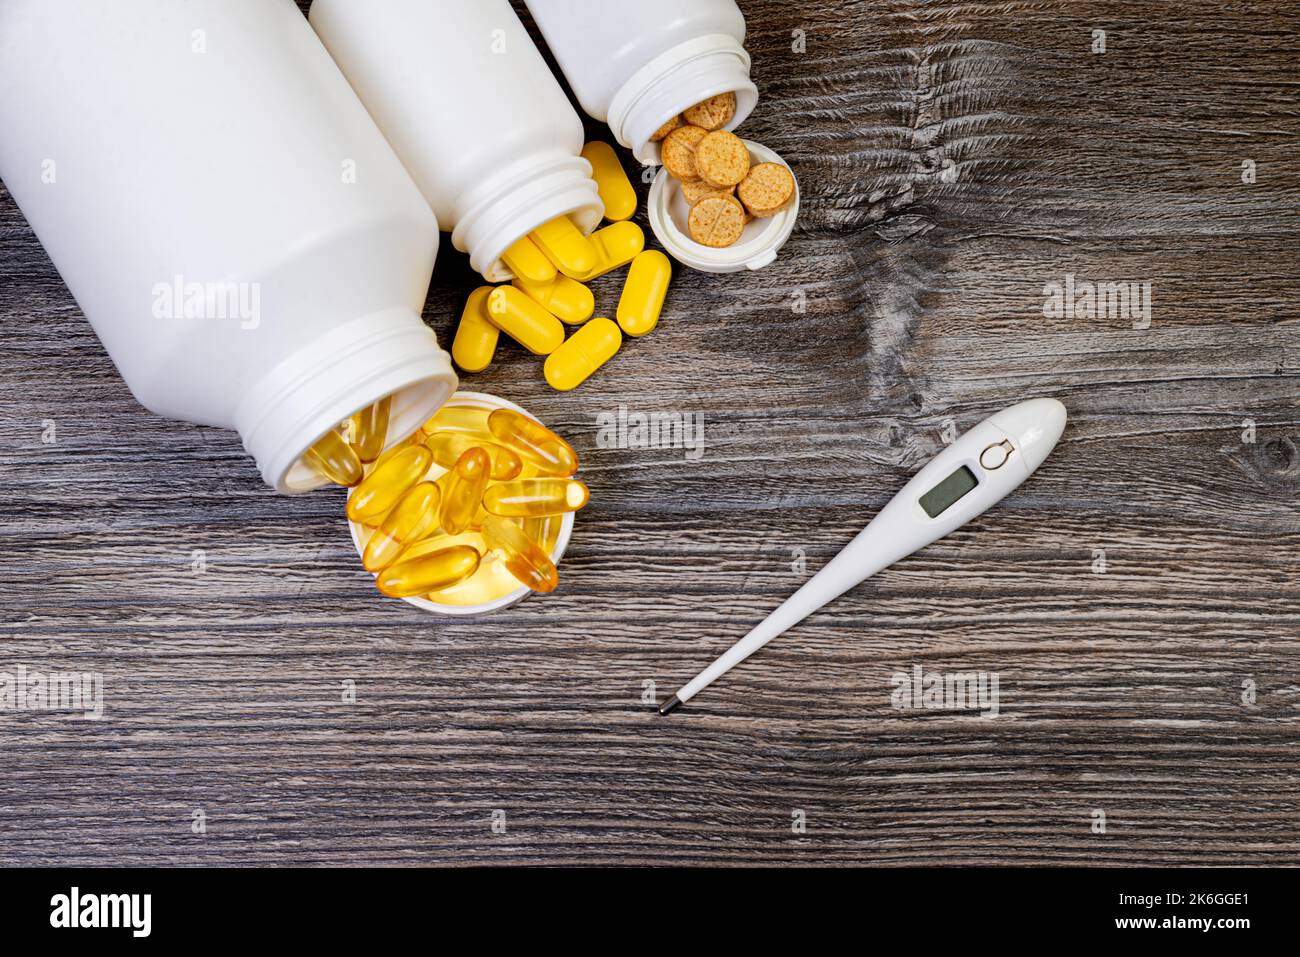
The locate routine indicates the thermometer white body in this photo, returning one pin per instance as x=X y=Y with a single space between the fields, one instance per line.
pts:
x=963 y=481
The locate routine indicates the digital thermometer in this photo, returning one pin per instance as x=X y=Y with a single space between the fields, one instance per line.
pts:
x=963 y=481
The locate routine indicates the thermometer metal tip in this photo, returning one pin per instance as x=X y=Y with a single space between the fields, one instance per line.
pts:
x=973 y=474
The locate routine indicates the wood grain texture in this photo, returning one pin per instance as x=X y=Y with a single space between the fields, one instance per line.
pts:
x=954 y=157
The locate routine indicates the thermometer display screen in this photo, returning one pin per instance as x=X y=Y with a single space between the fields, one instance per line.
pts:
x=940 y=498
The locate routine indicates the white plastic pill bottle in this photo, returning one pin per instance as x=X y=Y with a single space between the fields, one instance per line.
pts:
x=238 y=232
x=473 y=111
x=636 y=65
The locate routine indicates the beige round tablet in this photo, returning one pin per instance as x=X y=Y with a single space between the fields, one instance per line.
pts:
x=722 y=159
x=679 y=152
x=767 y=189
x=713 y=113
x=716 y=221
x=696 y=190
x=667 y=128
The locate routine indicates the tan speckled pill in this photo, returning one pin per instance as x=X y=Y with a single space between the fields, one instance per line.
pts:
x=722 y=159
x=696 y=190
x=716 y=221
x=767 y=189
x=667 y=128
x=679 y=152
x=713 y=113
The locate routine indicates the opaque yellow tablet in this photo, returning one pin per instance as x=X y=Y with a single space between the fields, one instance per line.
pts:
x=527 y=262
x=566 y=299
x=476 y=336
x=612 y=184
x=643 y=292
x=523 y=320
x=565 y=246
x=582 y=354
x=616 y=245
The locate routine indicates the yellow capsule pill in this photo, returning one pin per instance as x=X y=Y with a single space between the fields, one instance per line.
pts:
x=334 y=458
x=448 y=447
x=524 y=320
x=643 y=292
x=616 y=245
x=531 y=498
x=464 y=490
x=566 y=299
x=612 y=184
x=582 y=354
x=379 y=491
x=521 y=556
x=476 y=335
x=370 y=429
x=527 y=262
x=413 y=517
x=534 y=441
x=430 y=572
x=565 y=246
x=470 y=419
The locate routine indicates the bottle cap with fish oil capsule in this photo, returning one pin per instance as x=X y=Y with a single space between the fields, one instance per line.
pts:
x=764 y=230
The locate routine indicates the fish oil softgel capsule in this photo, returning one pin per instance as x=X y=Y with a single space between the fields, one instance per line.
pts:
x=643 y=292
x=370 y=428
x=520 y=554
x=464 y=490
x=476 y=335
x=565 y=246
x=582 y=354
x=448 y=447
x=379 y=491
x=524 y=320
x=452 y=417
x=566 y=299
x=333 y=457
x=534 y=441
x=612 y=184
x=432 y=571
x=535 y=498
x=413 y=517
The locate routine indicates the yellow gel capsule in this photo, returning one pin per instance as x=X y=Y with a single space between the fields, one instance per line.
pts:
x=524 y=320
x=616 y=245
x=370 y=428
x=521 y=556
x=387 y=482
x=565 y=246
x=432 y=571
x=532 y=498
x=643 y=292
x=333 y=458
x=413 y=517
x=538 y=528
x=566 y=299
x=527 y=262
x=534 y=441
x=612 y=184
x=471 y=419
x=476 y=336
x=582 y=354
x=464 y=490
x=448 y=447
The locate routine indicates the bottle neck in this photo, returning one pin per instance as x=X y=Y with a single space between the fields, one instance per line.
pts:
x=675 y=80
x=391 y=352
x=512 y=203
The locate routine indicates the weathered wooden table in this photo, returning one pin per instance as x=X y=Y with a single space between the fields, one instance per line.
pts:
x=1137 y=600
